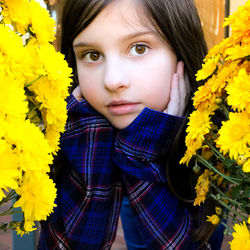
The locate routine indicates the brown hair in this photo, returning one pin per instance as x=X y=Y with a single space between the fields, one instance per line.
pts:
x=178 y=23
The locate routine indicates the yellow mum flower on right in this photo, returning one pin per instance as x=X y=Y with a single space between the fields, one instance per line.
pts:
x=241 y=238
x=239 y=91
x=214 y=219
x=208 y=68
x=234 y=135
x=202 y=187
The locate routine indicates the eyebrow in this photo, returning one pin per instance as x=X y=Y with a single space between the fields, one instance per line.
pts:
x=125 y=38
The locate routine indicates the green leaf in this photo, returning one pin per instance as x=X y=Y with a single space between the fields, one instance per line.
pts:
x=246 y=193
x=236 y=192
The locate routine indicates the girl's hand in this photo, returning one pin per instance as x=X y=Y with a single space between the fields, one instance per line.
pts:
x=179 y=92
x=77 y=94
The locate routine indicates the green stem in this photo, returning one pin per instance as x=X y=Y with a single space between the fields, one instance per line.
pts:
x=218 y=155
x=228 y=207
x=8 y=212
x=8 y=197
x=208 y=165
x=225 y=110
x=225 y=197
x=227 y=227
x=30 y=83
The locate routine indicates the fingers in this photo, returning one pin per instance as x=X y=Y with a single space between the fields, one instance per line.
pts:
x=182 y=88
x=174 y=101
x=179 y=92
x=77 y=94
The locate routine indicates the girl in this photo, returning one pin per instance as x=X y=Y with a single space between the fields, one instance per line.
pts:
x=125 y=121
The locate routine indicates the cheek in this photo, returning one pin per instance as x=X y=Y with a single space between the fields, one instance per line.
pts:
x=158 y=96
x=87 y=82
x=157 y=87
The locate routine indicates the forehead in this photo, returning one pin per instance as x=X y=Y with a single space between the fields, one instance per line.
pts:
x=119 y=17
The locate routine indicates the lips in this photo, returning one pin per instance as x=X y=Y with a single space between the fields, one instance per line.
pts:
x=122 y=107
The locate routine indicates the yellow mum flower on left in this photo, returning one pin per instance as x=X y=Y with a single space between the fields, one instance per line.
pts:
x=43 y=31
x=16 y=11
x=37 y=197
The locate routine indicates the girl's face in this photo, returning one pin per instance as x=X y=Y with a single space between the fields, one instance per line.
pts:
x=123 y=65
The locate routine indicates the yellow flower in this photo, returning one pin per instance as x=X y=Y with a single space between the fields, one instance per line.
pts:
x=241 y=237
x=239 y=21
x=199 y=125
x=14 y=58
x=12 y=99
x=54 y=67
x=20 y=231
x=208 y=68
x=17 y=134
x=202 y=187
x=237 y=52
x=9 y=170
x=51 y=92
x=37 y=197
x=16 y=11
x=219 y=48
x=218 y=210
x=214 y=219
x=193 y=146
x=206 y=152
x=34 y=80
x=204 y=98
x=246 y=166
x=234 y=135
x=26 y=229
x=41 y=25
x=218 y=177
x=239 y=91
x=224 y=74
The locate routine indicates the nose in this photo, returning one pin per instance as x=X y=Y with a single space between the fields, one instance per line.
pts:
x=115 y=76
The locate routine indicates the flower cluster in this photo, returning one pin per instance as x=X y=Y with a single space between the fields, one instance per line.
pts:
x=218 y=132
x=34 y=82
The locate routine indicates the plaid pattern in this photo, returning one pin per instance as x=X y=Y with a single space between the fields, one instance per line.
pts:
x=104 y=163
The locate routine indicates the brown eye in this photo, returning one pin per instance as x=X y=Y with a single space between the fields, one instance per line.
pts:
x=139 y=49
x=94 y=56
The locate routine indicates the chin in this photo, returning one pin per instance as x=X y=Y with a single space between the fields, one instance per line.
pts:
x=121 y=124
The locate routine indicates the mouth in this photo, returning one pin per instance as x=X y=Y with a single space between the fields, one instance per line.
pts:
x=122 y=107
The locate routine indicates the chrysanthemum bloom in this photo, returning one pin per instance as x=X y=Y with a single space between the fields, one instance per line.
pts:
x=208 y=68
x=44 y=31
x=16 y=11
x=35 y=80
x=234 y=135
x=241 y=238
x=218 y=210
x=214 y=219
x=36 y=201
x=202 y=187
x=239 y=91
x=204 y=98
x=14 y=58
x=198 y=126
